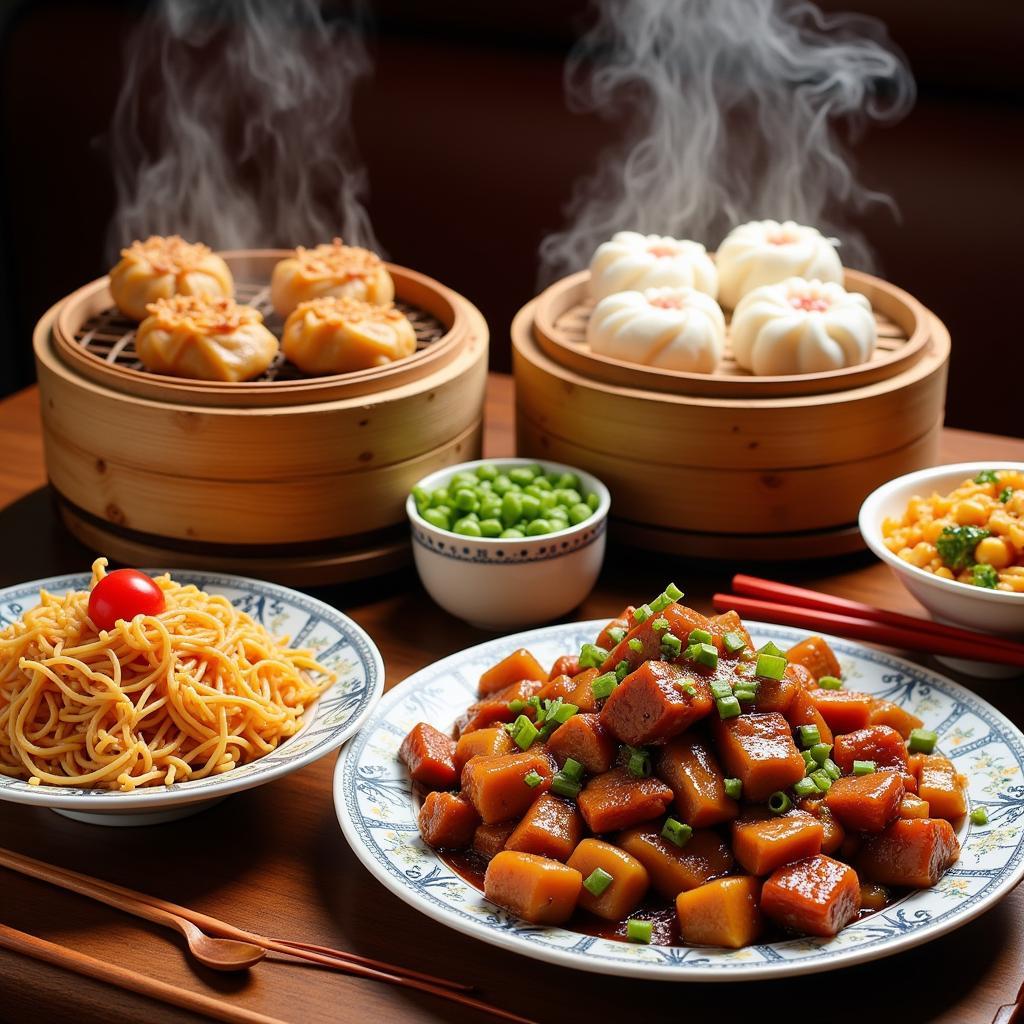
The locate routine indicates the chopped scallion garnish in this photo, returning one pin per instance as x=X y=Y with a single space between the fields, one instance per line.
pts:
x=638 y=931
x=515 y=706
x=597 y=881
x=671 y=645
x=734 y=642
x=523 y=732
x=592 y=656
x=979 y=816
x=728 y=707
x=863 y=767
x=699 y=636
x=562 y=785
x=831 y=769
x=659 y=624
x=603 y=685
x=533 y=779
x=639 y=763
x=720 y=688
x=770 y=666
x=642 y=614
x=779 y=802
x=808 y=735
x=622 y=670
x=922 y=741
x=830 y=683
x=773 y=649
x=668 y=596
x=805 y=787
x=821 y=779
x=734 y=788
x=635 y=645
x=572 y=769
x=677 y=832
x=616 y=634
x=703 y=654
x=820 y=752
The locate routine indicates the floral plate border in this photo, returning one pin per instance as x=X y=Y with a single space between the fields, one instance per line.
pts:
x=337 y=641
x=377 y=812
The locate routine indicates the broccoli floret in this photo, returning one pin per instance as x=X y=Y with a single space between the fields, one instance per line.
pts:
x=956 y=544
x=1005 y=494
x=984 y=576
x=987 y=476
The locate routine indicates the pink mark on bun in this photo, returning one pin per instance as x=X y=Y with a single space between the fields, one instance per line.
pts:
x=662 y=251
x=667 y=302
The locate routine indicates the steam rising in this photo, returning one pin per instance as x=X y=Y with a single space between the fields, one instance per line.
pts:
x=732 y=109
x=233 y=127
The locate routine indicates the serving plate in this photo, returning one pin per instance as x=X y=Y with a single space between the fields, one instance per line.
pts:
x=377 y=811
x=337 y=642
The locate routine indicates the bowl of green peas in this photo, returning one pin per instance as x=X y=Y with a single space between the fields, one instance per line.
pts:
x=508 y=543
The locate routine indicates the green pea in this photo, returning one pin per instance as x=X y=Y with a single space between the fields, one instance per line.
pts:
x=531 y=506
x=569 y=481
x=490 y=527
x=436 y=518
x=511 y=508
x=445 y=510
x=488 y=471
x=473 y=516
x=521 y=475
x=468 y=528
x=568 y=496
x=537 y=527
x=537 y=469
x=548 y=500
x=579 y=513
x=490 y=507
x=533 y=490
x=462 y=479
x=440 y=497
x=421 y=497
x=466 y=500
x=593 y=501
x=553 y=478
x=501 y=484
x=559 y=513
x=512 y=534
x=522 y=525
x=543 y=483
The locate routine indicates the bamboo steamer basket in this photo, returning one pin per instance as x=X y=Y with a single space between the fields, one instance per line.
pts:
x=730 y=465
x=302 y=480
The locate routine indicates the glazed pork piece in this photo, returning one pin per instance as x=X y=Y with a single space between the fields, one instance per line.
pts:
x=672 y=767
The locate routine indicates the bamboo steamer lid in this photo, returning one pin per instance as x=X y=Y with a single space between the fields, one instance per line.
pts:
x=758 y=477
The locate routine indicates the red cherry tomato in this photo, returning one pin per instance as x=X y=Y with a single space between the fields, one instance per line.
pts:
x=123 y=594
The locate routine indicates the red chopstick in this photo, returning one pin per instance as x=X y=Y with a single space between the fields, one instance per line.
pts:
x=872 y=631
x=785 y=593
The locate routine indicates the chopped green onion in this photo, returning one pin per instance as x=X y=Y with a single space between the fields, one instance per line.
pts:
x=979 y=816
x=532 y=779
x=779 y=802
x=616 y=634
x=638 y=931
x=984 y=576
x=592 y=656
x=745 y=696
x=635 y=645
x=688 y=688
x=642 y=614
x=774 y=650
x=639 y=763
x=703 y=654
x=1005 y=494
x=820 y=752
x=720 y=688
x=770 y=666
x=987 y=476
x=562 y=785
x=676 y=832
x=734 y=788
x=830 y=683
x=572 y=769
x=515 y=706
x=622 y=670
x=809 y=735
x=821 y=780
x=602 y=686
x=668 y=596
x=831 y=769
x=734 y=642
x=523 y=732
x=560 y=712
x=922 y=741
x=728 y=707
x=863 y=767
x=597 y=881
x=671 y=645
x=810 y=764
x=805 y=787
x=659 y=624
x=700 y=636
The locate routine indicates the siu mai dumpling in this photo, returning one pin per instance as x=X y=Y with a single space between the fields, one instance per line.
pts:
x=766 y=252
x=205 y=339
x=631 y=261
x=671 y=328
x=333 y=269
x=339 y=335
x=159 y=268
x=800 y=326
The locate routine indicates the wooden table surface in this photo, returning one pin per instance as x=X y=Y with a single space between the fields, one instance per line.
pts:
x=274 y=859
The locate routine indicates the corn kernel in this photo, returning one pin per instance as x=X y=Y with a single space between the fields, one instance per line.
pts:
x=969 y=513
x=994 y=551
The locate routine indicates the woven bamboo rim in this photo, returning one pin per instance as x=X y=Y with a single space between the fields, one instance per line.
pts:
x=564 y=308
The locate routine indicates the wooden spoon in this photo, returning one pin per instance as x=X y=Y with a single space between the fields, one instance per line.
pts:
x=215 y=953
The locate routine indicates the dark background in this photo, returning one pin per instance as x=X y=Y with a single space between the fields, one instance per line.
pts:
x=471 y=156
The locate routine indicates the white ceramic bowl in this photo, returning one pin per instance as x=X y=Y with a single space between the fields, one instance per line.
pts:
x=988 y=611
x=500 y=584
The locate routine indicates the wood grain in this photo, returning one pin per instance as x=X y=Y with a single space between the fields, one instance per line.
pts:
x=273 y=859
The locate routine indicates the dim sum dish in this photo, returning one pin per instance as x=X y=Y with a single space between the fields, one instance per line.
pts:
x=330 y=270
x=630 y=261
x=160 y=268
x=205 y=339
x=123 y=694
x=676 y=796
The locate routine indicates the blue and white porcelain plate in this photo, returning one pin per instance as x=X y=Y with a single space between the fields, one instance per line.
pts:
x=337 y=642
x=377 y=811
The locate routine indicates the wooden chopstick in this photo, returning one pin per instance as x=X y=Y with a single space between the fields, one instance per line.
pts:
x=122 y=977
x=347 y=963
x=785 y=593
x=870 y=630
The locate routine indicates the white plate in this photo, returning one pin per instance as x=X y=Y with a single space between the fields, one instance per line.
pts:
x=337 y=642
x=377 y=811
